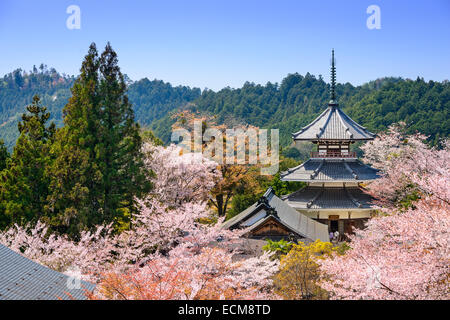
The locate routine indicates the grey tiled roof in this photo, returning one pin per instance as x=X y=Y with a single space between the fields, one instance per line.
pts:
x=333 y=124
x=286 y=215
x=329 y=198
x=329 y=170
x=24 y=279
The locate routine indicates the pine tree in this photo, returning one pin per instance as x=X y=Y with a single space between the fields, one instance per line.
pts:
x=4 y=155
x=124 y=176
x=25 y=183
x=76 y=176
x=99 y=169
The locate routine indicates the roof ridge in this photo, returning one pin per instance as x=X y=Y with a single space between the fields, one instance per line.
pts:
x=313 y=122
x=353 y=199
x=347 y=130
x=322 y=129
x=319 y=193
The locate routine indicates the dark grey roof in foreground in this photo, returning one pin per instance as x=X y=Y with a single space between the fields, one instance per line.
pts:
x=24 y=279
x=329 y=198
x=286 y=215
x=331 y=170
x=333 y=124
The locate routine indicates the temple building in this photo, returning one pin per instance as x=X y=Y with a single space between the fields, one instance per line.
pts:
x=334 y=194
x=273 y=218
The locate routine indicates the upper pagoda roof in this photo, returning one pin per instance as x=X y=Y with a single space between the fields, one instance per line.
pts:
x=333 y=124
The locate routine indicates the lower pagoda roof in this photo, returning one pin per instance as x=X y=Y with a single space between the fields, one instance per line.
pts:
x=331 y=170
x=317 y=197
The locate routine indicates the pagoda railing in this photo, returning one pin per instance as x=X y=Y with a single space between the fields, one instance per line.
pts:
x=317 y=154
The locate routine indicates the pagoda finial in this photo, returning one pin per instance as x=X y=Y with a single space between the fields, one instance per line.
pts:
x=333 y=81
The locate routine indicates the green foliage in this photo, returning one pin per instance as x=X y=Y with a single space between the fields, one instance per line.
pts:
x=99 y=170
x=283 y=187
x=25 y=182
x=246 y=196
x=4 y=155
x=149 y=136
x=152 y=100
x=424 y=106
x=18 y=88
x=242 y=201
x=406 y=200
x=280 y=248
x=342 y=248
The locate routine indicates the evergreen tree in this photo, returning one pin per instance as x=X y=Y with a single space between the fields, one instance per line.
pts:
x=25 y=183
x=4 y=155
x=76 y=176
x=122 y=164
x=99 y=167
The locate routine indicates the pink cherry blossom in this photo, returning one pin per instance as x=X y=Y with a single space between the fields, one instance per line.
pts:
x=403 y=253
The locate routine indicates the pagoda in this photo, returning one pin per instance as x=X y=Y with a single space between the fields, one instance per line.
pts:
x=333 y=198
x=334 y=194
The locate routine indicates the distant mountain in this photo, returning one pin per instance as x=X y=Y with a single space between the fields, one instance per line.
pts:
x=151 y=100
x=424 y=106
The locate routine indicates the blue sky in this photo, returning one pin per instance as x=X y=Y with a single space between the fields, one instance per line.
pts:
x=219 y=43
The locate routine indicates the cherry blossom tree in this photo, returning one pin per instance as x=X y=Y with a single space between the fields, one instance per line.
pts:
x=209 y=274
x=175 y=250
x=181 y=177
x=404 y=252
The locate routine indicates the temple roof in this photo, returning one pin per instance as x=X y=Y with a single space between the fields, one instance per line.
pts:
x=24 y=279
x=333 y=124
x=272 y=207
x=329 y=198
x=331 y=170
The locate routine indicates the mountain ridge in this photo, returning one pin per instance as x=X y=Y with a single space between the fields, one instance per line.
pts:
x=288 y=105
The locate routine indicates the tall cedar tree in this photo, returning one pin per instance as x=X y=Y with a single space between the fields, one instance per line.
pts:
x=99 y=167
x=25 y=182
x=4 y=155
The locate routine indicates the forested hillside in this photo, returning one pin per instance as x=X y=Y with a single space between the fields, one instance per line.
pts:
x=424 y=106
x=151 y=100
x=17 y=90
x=293 y=103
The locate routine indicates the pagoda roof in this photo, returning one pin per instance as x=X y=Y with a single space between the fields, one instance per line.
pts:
x=333 y=124
x=269 y=206
x=331 y=170
x=24 y=279
x=316 y=197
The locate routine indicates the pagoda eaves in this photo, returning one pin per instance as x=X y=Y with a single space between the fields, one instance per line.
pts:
x=333 y=124
x=331 y=170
